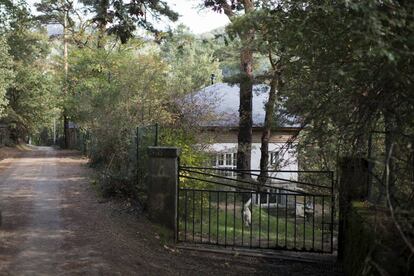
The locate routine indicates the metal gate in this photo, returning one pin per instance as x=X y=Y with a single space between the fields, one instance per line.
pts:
x=292 y=210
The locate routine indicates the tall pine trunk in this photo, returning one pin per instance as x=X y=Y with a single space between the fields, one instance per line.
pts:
x=244 y=139
x=267 y=127
x=390 y=139
x=245 y=110
x=102 y=20
x=66 y=133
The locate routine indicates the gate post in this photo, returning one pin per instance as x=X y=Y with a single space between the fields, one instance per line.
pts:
x=353 y=185
x=163 y=185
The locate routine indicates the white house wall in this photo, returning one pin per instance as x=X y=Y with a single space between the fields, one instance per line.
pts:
x=290 y=157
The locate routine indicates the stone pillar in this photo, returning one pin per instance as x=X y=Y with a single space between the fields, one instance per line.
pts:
x=163 y=185
x=353 y=185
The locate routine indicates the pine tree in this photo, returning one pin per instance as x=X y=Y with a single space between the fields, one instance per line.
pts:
x=125 y=17
x=59 y=12
x=232 y=9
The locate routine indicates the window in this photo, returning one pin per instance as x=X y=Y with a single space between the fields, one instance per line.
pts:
x=229 y=160
x=220 y=160
x=276 y=196
x=274 y=158
x=226 y=161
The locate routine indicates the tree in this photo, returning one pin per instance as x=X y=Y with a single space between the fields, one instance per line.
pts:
x=343 y=84
x=232 y=9
x=6 y=73
x=353 y=74
x=271 y=20
x=137 y=83
x=102 y=16
x=124 y=17
x=30 y=100
x=191 y=61
x=60 y=12
x=30 y=92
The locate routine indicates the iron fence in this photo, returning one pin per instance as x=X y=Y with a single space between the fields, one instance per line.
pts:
x=284 y=213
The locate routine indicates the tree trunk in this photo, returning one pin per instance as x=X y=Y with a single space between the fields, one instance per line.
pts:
x=244 y=139
x=245 y=111
x=66 y=130
x=102 y=13
x=390 y=135
x=65 y=86
x=270 y=109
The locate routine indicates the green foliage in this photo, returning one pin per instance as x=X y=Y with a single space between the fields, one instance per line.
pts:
x=352 y=68
x=185 y=139
x=369 y=250
x=114 y=89
x=30 y=100
x=6 y=73
x=112 y=92
x=358 y=245
x=9 y=11
x=346 y=66
x=30 y=93
x=53 y=11
x=349 y=73
x=124 y=17
x=191 y=61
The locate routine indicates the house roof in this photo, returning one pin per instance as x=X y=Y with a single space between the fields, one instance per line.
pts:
x=223 y=101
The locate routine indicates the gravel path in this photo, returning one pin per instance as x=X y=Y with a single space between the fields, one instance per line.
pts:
x=54 y=224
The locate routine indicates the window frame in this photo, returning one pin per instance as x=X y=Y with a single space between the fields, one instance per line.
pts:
x=226 y=160
x=274 y=157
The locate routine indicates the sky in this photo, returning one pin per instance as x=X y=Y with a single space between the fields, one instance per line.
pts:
x=199 y=21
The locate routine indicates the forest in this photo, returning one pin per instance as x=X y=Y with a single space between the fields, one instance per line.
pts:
x=85 y=74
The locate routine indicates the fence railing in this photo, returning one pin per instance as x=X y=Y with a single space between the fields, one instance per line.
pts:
x=284 y=213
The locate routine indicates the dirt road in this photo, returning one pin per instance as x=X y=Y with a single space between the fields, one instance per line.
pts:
x=54 y=224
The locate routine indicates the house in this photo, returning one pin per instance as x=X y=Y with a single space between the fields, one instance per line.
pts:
x=221 y=131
